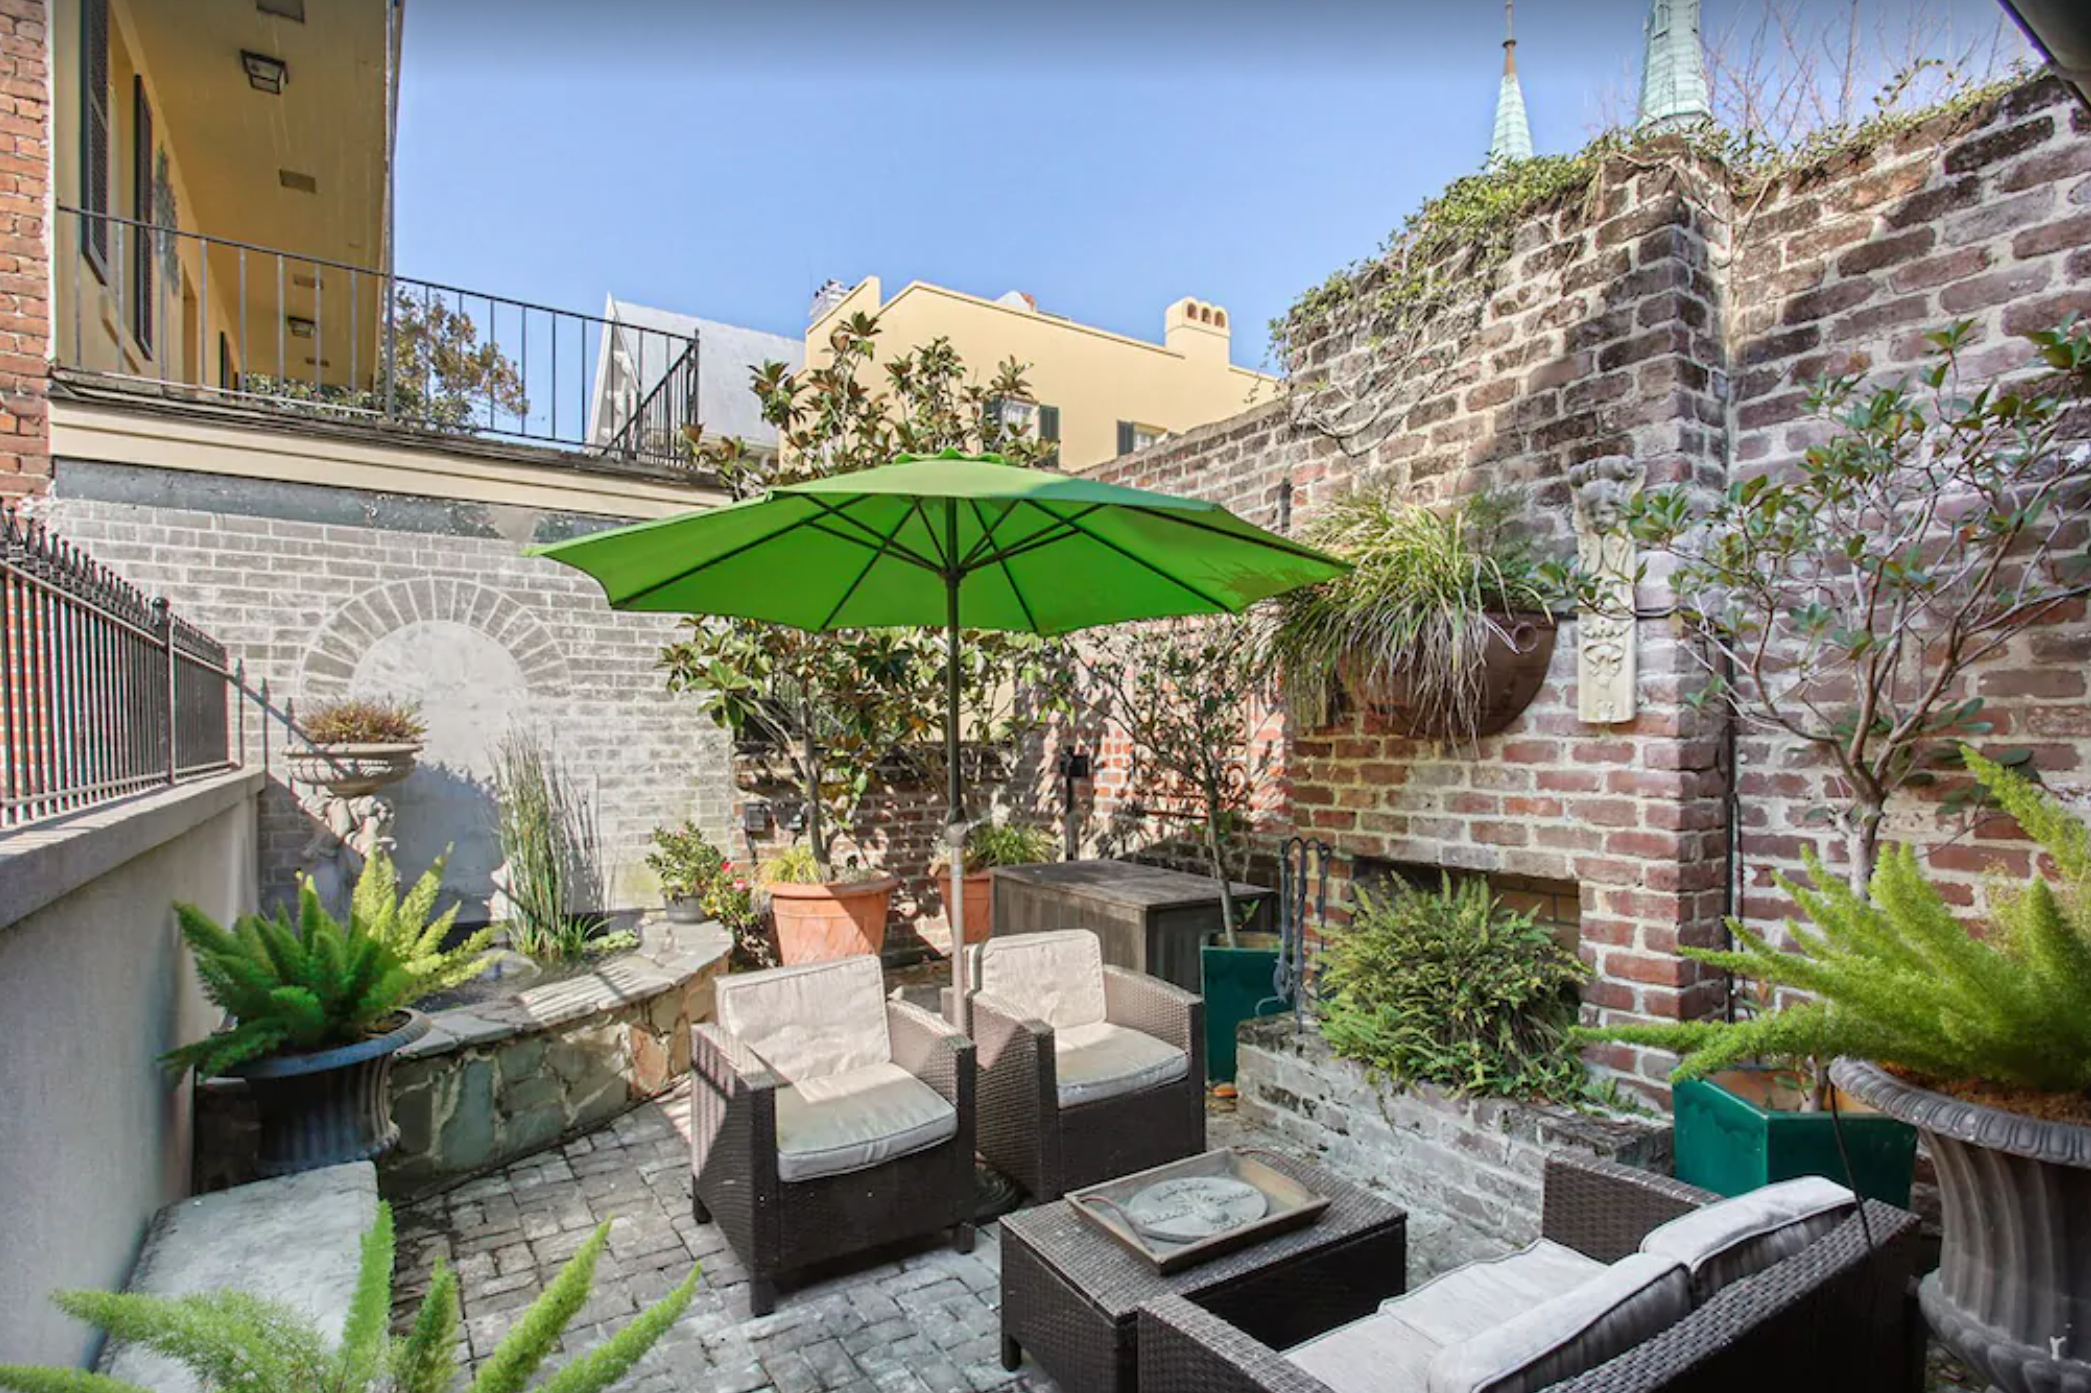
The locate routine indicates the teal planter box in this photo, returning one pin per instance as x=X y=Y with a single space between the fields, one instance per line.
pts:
x=1739 y=1131
x=1237 y=989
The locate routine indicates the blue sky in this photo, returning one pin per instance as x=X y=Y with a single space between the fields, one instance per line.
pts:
x=1107 y=158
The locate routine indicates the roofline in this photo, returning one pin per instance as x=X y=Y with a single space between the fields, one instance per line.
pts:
x=928 y=288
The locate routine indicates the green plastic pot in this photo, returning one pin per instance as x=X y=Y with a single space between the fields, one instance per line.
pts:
x=1237 y=989
x=1735 y=1134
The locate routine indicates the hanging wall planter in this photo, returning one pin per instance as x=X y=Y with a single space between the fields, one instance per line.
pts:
x=1512 y=669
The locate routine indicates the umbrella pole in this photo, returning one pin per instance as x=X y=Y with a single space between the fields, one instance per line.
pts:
x=954 y=792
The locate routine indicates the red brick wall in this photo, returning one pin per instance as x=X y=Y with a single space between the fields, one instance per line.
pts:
x=1671 y=321
x=25 y=258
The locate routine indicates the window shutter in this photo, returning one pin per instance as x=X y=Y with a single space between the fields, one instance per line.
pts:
x=94 y=131
x=1125 y=437
x=1049 y=431
x=142 y=248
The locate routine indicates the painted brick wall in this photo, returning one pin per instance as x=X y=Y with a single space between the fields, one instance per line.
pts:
x=1668 y=319
x=25 y=255
x=485 y=638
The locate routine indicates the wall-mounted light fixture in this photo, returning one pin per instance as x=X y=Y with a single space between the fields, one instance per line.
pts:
x=299 y=326
x=264 y=74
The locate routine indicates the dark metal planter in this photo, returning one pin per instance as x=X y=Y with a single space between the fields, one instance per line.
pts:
x=330 y=1106
x=1513 y=669
x=2012 y=1295
x=683 y=909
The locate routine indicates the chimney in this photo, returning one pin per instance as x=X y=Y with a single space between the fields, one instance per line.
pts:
x=1197 y=330
x=831 y=293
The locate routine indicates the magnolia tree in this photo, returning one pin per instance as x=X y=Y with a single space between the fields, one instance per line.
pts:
x=1185 y=694
x=1842 y=602
x=837 y=706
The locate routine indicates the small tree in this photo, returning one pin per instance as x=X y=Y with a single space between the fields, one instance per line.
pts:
x=836 y=705
x=1185 y=694
x=1843 y=602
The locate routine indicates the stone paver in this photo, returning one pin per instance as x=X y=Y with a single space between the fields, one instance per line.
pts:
x=928 y=1320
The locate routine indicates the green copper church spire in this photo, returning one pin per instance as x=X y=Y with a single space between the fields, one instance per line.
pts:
x=1673 y=73
x=1513 y=136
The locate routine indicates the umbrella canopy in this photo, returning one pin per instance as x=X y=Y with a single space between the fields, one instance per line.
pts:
x=957 y=541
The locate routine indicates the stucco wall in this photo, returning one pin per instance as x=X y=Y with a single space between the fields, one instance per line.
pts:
x=94 y=985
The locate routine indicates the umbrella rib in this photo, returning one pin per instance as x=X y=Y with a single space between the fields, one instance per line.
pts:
x=1138 y=560
x=1050 y=535
x=830 y=510
x=1030 y=619
x=794 y=525
x=884 y=547
x=1260 y=538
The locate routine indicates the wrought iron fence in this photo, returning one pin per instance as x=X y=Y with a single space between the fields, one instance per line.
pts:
x=223 y=319
x=103 y=692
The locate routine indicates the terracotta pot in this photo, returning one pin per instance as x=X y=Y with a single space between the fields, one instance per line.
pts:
x=2012 y=1295
x=837 y=920
x=980 y=904
x=1513 y=669
x=351 y=771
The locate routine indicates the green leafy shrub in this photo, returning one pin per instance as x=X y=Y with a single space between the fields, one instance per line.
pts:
x=1417 y=607
x=993 y=844
x=363 y=721
x=318 y=983
x=1893 y=977
x=236 y=1342
x=685 y=860
x=1448 y=987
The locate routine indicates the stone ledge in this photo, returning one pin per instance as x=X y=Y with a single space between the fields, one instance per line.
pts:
x=297 y=1240
x=42 y=864
x=1479 y=1160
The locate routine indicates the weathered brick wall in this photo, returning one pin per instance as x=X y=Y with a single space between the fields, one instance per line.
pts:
x=1984 y=217
x=25 y=253
x=484 y=638
x=1670 y=320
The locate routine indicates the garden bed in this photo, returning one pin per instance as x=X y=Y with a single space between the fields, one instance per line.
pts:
x=497 y=1079
x=1479 y=1160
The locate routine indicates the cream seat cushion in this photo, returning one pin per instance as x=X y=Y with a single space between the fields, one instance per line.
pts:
x=1394 y=1348
x=1736 y=1238
x=1056 y=977
x=848 y=1122
x=813 y=1021
x=1101 y=1060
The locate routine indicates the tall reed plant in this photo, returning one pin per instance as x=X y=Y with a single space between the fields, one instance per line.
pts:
x=555 y=883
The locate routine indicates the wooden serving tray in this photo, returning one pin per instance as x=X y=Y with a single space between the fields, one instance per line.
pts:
x=1292 y=1206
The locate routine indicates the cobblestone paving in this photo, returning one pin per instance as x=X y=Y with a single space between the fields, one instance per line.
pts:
x=925 y=1320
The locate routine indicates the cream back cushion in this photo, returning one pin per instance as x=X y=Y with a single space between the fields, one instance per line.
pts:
x=1601 y=1318
x=1057 y=978
x=812 y=1021
x=1736 y=1238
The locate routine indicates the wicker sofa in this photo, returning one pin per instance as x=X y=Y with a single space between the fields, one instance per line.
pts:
x=1086 y=1072
x=827 y=1120
x=1838 y=1313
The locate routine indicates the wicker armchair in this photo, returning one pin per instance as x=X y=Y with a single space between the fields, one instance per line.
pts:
x=1037 y=1124
x=1839 y=1314
x=876 y=1194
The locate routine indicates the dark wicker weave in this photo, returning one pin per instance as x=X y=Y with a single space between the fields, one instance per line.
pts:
x=1049 y=1150
x=1837 y=1316
x=1070 y=1293
x=777 y=1227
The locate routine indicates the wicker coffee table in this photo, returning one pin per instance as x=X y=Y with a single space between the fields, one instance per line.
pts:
x=1070 y=1292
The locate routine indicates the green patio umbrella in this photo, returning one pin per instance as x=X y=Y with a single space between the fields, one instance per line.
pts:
x=952 y=540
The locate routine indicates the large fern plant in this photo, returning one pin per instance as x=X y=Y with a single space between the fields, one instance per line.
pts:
x=315 y=983
x=1893 y=977
x=236 y=1342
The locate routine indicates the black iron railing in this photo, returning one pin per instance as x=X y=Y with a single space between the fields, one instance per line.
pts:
x=323 y=339
x=103 y=692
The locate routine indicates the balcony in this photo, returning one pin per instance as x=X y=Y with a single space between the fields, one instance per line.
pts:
x=174 y=319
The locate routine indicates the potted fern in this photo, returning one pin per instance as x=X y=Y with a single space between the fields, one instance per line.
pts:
x=1440 y=627
x=988 y=845
x=238 y=1340
x=319 y=1007
x=1981 y=1040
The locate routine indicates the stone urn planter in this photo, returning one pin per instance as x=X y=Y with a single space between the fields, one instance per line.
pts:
x=838 y=919
x=329 y=1106
x=1513 y=668
x=353 y=771
x=2012 y=1295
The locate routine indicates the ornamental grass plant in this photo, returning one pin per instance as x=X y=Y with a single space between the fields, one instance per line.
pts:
x=237 y=1342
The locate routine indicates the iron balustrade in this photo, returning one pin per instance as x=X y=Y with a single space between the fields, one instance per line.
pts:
x=323 y=339
x=104 y=693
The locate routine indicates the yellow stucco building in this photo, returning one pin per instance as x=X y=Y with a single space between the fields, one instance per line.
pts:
x=1099 y=394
